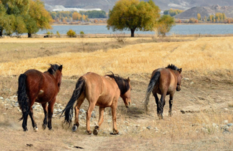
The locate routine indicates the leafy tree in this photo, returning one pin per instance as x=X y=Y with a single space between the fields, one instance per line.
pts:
x=75 y=16
x=165 y=23
x=199 y=16
x=58 y=34
x=81 y=34
x=133 y=15
x=2 y=17
x=223 y=16
x=71 y=33
x=40 y=15
x=11 y=16
x=211 y=18
x=20 y=26
x=9 y=24
x=31 y=25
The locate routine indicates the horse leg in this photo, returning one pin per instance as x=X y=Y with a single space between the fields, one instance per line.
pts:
x=45 y=122
x=25 y=118
x=50 y=114
x=34 y=125
x=101 y=119
x=115 y=131
x=157 y=102
x=89 y=111
x=161 y=105
x=170 y=104
x=77 y=108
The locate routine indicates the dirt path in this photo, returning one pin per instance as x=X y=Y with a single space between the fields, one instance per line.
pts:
x=139 y=130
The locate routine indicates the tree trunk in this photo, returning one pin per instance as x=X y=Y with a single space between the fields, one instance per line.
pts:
x=29 y=35
x=1 y=33
x=132 y=32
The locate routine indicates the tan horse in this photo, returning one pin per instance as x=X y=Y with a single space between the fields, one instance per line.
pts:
x=102 y=91
x=164 y=81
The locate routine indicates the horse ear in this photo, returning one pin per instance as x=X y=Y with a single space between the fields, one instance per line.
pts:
x=128 y=79
x=180 y=70
x=60 y=67
x=51 y=70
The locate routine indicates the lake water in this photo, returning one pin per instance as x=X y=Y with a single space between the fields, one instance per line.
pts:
x=178 y=29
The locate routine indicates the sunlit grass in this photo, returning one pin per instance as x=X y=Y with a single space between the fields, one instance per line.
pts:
x=203 y=55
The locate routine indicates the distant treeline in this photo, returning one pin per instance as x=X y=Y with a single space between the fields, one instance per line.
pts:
x=95 y=14
x=172 y=12
x=216 y=18
x=69 y=16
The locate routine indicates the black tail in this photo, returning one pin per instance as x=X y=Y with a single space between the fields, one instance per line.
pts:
x=23 y=99
x=151 y=85
x=80 y=85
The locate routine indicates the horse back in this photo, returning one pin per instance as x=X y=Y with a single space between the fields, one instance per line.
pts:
x=41 y=86
x=33 y=82
x=167 y=80
x=101 y=88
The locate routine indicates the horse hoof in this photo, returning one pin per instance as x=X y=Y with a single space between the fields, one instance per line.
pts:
x=35 y=129
x=44 y=126
x=25 y=129
x=89 y=132
x=170 y=114
x=74 y=128
x=160 y=117
x=114 y=133
x=95 y=132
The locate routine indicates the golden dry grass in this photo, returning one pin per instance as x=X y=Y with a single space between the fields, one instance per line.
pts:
x=180 y=132
x=203 y=55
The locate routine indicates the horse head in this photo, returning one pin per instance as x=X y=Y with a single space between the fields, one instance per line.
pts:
x=179 y=77
x=126 y=96
x=56 y=71
x=125 y=88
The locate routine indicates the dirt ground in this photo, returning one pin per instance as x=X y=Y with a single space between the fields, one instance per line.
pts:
x=202 y=111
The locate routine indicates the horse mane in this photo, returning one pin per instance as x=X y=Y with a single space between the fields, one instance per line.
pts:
x=172 y=66
x=53 y=68
x=121 y=82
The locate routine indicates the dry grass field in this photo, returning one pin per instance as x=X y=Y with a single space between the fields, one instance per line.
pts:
x=205 y=99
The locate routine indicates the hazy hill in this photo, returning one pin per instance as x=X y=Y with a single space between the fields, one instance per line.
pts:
x=163 y=4
x=206 y=11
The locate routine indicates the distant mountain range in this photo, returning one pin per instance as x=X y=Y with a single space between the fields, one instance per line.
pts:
x=163 y=4
x=206 y=11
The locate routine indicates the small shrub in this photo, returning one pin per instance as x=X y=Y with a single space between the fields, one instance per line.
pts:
x=58 y=34
x=81 y=34
x=48 y=33
x=71 y=33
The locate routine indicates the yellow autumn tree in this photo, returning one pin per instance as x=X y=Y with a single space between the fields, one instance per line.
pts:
x=38 y=16
x=76 y=16
x=199 y=16
x=133 y=15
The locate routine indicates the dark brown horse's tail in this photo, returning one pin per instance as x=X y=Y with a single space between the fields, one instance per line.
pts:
x=80 y=85
x=154 y=79
x=23 y=99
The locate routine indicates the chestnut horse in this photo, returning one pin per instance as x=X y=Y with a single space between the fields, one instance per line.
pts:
x=35 y=86
x=164 y=81
x=102 y=91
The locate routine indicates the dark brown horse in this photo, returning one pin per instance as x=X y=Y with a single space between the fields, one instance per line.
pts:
x=164 y=81
x=102 y=91
x=35 y=86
